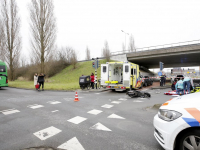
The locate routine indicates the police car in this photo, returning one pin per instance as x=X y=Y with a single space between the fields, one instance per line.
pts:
x=177 y=124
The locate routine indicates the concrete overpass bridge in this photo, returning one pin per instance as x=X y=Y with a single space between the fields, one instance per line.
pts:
x=172 y=55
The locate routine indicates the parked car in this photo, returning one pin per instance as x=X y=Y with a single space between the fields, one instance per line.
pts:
x=147 y=81
x=177 y=124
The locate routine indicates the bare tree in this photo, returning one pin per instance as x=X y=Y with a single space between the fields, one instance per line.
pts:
x=64 y=54
x=87 y=51
x=11 y=23
x=43 y=28
x=2 y=41
x=132 y=44
x=106 y=51
x=73 y=58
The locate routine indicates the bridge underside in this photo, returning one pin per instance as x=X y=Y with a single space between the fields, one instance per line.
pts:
x=176 y=58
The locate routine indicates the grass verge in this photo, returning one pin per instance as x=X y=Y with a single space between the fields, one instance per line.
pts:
x=67 y=79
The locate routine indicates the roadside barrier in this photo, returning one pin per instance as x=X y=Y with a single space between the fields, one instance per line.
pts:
x=76 y=97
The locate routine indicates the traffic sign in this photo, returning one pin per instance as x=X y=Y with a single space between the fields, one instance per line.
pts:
x=159 y=73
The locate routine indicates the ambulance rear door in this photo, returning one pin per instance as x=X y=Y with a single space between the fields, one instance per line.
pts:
x=126 y=74
x=104 y=74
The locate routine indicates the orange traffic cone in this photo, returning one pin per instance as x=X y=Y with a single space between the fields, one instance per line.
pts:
x=76 y=98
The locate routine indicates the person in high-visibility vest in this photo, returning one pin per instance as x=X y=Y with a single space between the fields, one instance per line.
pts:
x=161 y=80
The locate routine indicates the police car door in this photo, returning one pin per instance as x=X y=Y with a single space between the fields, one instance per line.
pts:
x=104 y=74
x=126 y=74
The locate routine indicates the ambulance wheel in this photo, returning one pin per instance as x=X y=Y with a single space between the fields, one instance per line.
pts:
x=189 y=140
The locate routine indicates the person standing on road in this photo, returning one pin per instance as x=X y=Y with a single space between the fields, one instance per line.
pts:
x=164 y=80
x=92 y=80
x=187 y=84
x=161 y=80
x=35 y=80
x=41 y=81
x=179 y=87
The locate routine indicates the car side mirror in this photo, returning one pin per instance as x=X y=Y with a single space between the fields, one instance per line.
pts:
x=141 y=76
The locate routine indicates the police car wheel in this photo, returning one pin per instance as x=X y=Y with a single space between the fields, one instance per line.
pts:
x=189 y=141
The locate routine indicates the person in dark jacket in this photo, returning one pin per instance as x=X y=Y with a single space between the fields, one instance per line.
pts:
x=41 y=81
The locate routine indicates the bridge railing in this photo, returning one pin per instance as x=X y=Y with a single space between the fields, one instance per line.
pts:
x=194 y=42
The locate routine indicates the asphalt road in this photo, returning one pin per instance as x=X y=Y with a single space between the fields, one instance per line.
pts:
x=30 y=118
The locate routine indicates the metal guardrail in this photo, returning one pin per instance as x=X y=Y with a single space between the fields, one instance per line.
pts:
x=194 y=42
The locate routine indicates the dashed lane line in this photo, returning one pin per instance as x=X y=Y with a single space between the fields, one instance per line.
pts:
x=107 y=106
x=9 y=111
x=137 y=101
x=122 y=99
x=115 y=102
x=54 y=102
x=35 y=106
x=54 y=111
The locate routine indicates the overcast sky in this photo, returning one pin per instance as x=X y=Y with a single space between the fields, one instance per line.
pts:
x=82 y=23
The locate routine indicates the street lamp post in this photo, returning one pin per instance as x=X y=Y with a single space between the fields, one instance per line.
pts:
x=125 y=37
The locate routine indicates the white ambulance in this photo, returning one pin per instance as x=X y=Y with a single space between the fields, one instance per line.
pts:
x=120 y=75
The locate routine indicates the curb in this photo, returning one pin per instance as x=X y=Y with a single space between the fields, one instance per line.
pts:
x=44 y=90
x=63 y=90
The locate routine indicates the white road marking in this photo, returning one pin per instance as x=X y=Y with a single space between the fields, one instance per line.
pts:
x=115 y=102
x=47 y=133
x=54 y=111
x=145 y=89
x=72 y=144
x=115 y=116
x=67 y=98
x=54 y=102
x=97 y=93
x=137 y=101
x=8 y=112
x=142 y=98
x=99 y=126
x=122 y=99
x=107 y=106
x=35 y=106
x=94 y=112
x=77 y=120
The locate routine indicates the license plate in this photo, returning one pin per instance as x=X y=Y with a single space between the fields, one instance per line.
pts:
x=116 y=87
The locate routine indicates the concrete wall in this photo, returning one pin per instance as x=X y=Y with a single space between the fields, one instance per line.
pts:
x=121 y=57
